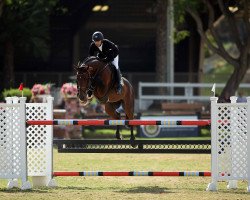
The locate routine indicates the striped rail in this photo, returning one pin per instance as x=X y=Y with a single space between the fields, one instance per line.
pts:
x=95 y=122
x=132 y=173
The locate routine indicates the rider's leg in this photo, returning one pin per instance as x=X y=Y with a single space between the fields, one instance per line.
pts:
x=119 y=76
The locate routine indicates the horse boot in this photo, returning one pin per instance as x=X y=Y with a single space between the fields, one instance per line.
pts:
x=119 y=81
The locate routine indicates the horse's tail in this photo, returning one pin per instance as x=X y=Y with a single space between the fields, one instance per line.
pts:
x=130 y=97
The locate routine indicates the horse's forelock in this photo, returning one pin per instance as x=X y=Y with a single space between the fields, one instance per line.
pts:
x=79 y=65
x=82 y=65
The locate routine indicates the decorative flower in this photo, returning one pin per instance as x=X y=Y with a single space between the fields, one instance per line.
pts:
x=69 y=90
x=39 y=89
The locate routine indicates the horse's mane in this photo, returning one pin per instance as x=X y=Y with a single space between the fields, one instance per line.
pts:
x=89 y=59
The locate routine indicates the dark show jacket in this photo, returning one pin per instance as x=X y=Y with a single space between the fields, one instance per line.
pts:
x=108 y=53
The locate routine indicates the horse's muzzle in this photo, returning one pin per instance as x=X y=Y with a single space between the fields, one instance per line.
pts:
x=84 y=101
x=82 y=97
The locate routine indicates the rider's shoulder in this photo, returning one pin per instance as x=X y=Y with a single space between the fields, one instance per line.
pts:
x=107 y=41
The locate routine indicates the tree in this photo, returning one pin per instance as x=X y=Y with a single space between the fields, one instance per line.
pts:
x=1 y=7
x=25 y=24
x=237 y=15
x=161 y=40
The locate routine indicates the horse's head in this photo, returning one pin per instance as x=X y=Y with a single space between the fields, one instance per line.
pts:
x=83 y=77
x=86 y=74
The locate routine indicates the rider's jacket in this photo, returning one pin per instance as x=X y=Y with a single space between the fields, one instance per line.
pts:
x=107 y=52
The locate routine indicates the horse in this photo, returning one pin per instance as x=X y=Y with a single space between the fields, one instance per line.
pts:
x=96 y=78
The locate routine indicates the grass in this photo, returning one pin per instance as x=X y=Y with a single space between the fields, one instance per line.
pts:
x=128 y=187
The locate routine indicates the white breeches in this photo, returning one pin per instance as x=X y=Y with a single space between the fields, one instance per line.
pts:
x=115 y=62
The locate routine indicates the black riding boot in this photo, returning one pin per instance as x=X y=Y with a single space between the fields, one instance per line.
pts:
x=119 y=81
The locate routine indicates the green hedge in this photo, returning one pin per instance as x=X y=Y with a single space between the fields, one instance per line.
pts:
x=16 y=92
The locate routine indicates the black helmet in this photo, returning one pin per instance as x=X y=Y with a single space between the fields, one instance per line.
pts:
x=97 y=36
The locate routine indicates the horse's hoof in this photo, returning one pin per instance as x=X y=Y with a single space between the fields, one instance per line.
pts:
x=119 y=137
x=132 y=138
x=127 y=126
x=133 y=144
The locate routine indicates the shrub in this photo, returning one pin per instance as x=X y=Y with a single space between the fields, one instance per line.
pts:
x=69 y=90
x=16 y=92
x=39 y=89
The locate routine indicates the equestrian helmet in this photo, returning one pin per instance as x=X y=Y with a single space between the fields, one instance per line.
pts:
x=97 y=36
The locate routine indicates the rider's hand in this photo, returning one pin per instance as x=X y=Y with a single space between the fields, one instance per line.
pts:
x=98 y=56
x=111 y=53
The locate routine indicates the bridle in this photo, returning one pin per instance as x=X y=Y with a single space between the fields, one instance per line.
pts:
x=83 y=75
x=90 y=87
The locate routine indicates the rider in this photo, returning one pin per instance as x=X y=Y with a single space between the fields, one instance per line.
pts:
x=107 y=51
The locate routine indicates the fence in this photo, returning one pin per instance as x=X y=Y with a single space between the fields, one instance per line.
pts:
x=13 y=155
x=230 y=131
x=184 y=92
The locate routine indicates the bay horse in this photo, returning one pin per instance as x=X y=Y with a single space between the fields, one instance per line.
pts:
x=98 y=79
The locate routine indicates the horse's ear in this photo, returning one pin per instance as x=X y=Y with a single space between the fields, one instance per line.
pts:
x=76 y=67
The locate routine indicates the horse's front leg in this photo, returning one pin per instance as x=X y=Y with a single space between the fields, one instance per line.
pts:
x=117 y=134
x=111 y=111
x=132 y=137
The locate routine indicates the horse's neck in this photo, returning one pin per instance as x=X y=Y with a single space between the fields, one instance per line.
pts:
x=104 y=80
x=98 y=68
x=95 y=69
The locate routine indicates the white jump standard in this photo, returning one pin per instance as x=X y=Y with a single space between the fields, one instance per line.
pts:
x=230 y=142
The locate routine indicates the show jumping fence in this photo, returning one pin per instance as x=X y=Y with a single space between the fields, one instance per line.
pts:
x=95 y=122
x=230 y=144
x=132 y=173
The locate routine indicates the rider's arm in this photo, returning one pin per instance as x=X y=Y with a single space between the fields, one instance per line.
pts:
x=112 y=51
x=113 y=47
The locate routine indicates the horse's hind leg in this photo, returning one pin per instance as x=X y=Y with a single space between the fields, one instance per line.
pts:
x=117 y=133
x=110 y=109
x=132 y=137
x=129 y=111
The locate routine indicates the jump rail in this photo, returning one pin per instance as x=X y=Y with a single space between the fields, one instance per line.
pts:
x=94 y=122
x=132 y=173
